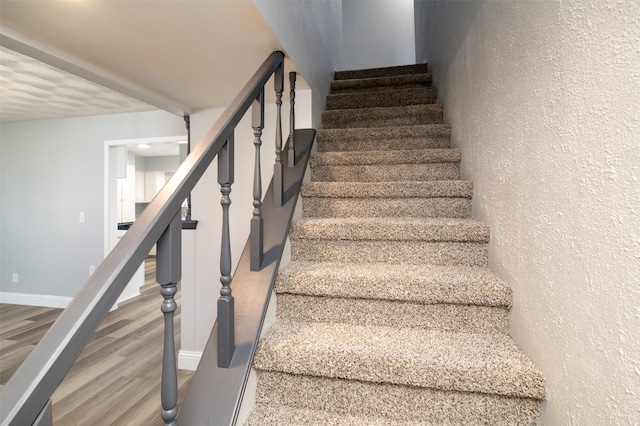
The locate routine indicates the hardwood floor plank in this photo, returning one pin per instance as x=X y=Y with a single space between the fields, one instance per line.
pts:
x=8 y=331
x=79 y=381
x=10 y=313
x=83 y=412
x=68 y=397
x=49 y=316
x=33 y=334
x=10 y=362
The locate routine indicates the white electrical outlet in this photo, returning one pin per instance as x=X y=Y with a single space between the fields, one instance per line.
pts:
x=14 y=277
x=92 y=269
x=83 y=217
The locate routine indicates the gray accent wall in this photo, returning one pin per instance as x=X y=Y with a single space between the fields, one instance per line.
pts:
x=51 y=170
x=543 y=98
x=311 y=34
x=377 y=33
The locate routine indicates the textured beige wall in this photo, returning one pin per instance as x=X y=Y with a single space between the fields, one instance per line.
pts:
x=544 y=100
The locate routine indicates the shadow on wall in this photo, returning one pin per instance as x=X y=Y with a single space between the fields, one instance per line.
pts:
x=426 y=27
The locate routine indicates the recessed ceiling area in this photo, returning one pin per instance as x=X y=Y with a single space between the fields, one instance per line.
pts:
x=32 y=90
x=168 y=149
x=196 y=53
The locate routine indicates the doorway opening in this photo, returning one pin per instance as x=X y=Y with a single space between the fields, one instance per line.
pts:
x=135 y=171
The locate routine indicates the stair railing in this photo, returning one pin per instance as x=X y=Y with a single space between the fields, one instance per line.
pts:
x=26 y=398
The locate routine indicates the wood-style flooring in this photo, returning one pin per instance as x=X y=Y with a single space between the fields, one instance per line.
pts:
x=116 y=379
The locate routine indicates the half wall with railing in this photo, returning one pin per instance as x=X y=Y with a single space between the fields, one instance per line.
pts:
x=225 y=365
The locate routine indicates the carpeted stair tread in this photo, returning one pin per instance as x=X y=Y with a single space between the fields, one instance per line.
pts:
x=448 y=198
x=386 y=166
x=381 y=83
x=278 y=415
x=383 y=116
x=469 y=362
x=427 y=284
x=386 y=251
x=383 y=138
x=387 y=207
x=444 y=317
x=423 y=156
x=386 y=172
x=415 y=189
x=401 y=405
x=381 y=72
x=382 y=98
x=391 y=229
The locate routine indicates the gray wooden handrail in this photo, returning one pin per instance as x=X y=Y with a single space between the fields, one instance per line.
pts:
x=28 y=391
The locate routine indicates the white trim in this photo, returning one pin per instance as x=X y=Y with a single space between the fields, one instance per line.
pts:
x=163 y=139
x=127 y=298
x=29 y=299
x=188 y=360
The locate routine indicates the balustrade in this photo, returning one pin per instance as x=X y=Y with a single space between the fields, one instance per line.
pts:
x=257 y=232
x=168 y=273
x=226 y=339
x=292 y=119
x=278 y=82
x=20 y=403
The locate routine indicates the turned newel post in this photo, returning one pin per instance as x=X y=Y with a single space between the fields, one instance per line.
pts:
x=277 y=167
x=292 y=119
x=168 y=272
x=226 y=335
x=257 y=122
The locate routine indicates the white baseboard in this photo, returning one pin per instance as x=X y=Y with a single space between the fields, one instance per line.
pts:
x=188 y=360
x=29 y=299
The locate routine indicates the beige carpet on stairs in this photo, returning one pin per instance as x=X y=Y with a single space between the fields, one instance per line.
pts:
x=388 y=313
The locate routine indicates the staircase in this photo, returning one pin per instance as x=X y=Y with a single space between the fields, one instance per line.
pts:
x=388 y=313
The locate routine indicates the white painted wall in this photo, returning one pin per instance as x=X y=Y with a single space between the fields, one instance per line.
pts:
x=201 y=279
x=543 y=98
x=310 y=32
x=377 y=33
x=51 y=170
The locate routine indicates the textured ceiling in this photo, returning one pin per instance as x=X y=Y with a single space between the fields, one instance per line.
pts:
x=197 y=53
x=32 y=90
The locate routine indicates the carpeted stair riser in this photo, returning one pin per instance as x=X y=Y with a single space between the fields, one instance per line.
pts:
x=450 y=198
x=278 y=414
x=386 y=166
x=381 y=138
x=395 y=404
x=391 y=229
x=410 y=81
x=383 y=98
x=381 y=72
x=400 y=252
x=390 y=240
x=386 y=173
x=424 y=284
x=458 y=318
x=400 y=157
x=467 y=362
x=385 y=207
x=448 y=189
x=383 y=116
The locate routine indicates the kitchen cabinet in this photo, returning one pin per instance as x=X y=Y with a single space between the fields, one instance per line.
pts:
x=148 y=184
